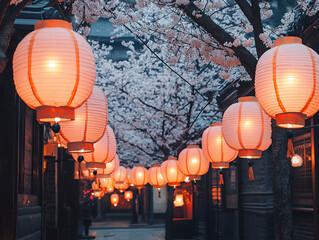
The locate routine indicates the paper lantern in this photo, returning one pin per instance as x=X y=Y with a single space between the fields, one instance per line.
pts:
x=109 y=189
x=215 y=148
x=115 y=199
x=99 y=194
x=89 y=124
x=120 y=175
x=95 y=186
x=287 y=82
x=191 y=162
x=129 y=178
x=121 y=186
x=104 y=182
x=296 y=161
x=54 y=70
x=179 y=200
x=110 y=167
x=104 y=150
x=156 y=178
x=85 y=171
x=128 y=195
x=139 y=176
x=171 y=173
x=247 y=128
x=82 y=172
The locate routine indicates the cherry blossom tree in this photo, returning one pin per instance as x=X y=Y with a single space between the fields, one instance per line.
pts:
x=151 y=109
x=205 y=42
x=231 y=34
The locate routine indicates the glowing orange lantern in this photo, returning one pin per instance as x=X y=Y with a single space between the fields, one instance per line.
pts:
x=128 y=195
x=109 y=189
x=120 y=175
x=156 y=178
x=54 y=70
x=104 y=182
x=110 y=167
x=122 y=186
x=95 y=186
x=191 y=162
x=171 y=173
x=139 y=176
x=115 y=199
x=215 y=148
x=99 y=194
x=247 y=128
x=104 y=150
x=179 y=200
x=296 y=161
x=129 y=178
x=89 y=124
x=85 y=171
x=287 y=82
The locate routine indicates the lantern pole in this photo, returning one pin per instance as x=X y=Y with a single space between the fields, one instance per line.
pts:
x=281 y=171
x=169 y=214
x=218 y=208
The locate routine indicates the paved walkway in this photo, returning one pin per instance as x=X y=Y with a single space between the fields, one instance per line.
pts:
x=130 y=234
x=118 y=227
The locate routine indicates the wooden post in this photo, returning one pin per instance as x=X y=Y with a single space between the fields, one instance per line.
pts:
x=281 y=184
x=150 y=204
x=169 y=214
x=134 y=215
x=315 y=174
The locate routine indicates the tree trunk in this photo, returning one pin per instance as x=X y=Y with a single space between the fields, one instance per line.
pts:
x=281 y=184
x=8 y=16
x=134 y=214
x=169 y=214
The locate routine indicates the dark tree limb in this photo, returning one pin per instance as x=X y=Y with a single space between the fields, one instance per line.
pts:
x=6 y=30
x=281 y=184
x=169 y=214
x=258 y=28
x=221 y=36
x=4 y=4
x=246 y=9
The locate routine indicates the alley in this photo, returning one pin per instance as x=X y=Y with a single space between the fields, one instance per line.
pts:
x=130 y=234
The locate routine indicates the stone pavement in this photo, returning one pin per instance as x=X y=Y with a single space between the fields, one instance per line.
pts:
x=118 y=227
x=129 y=234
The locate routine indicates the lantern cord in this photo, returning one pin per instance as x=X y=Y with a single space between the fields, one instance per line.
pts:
x=251 y=171
x=159 y=193
x=251 y=174
x=290 y=149
x=221 y=178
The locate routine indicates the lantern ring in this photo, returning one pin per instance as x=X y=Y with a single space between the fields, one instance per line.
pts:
x=250 y=153
x=54 y=114
x=80 y=147
x=217 y=165
x=291 y=119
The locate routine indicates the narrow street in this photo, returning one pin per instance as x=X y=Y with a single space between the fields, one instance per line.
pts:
x=130 y=233
x=153 y=120
x=117 y=226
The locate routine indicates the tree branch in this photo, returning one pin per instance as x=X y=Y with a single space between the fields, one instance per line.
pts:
x=258 y=28
x=246 y=9
x=4 y=4
x=220 y=35
x=6 y=30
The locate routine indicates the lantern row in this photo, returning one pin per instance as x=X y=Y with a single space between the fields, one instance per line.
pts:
x=54 y=73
